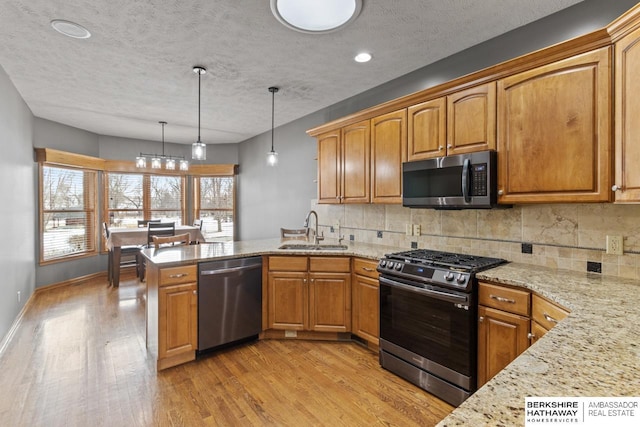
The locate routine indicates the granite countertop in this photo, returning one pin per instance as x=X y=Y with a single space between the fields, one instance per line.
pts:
x=592 y=353
x=167 y=257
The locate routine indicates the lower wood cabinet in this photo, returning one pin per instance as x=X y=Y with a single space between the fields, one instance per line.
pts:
x=509 y=321
x=365 y=301
x=503 y=327
x=172 y=314
x=309 y=293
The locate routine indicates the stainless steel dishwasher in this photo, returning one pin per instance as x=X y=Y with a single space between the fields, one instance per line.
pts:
x=229 y=301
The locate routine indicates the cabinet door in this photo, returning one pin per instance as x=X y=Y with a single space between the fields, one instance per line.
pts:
x=365 y=313
x=287 y=300
x=555 y=132
x=471 y=120
x=356 y=146
x=329 y=167
x=388 y=151
x=177 y=320
x=427 y=123
x=537 y=331
x=330 y=302
x=627 y=112
x=502 y=337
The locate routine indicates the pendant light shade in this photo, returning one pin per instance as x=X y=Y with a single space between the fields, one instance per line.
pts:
x=272 y=156
x=198 y=148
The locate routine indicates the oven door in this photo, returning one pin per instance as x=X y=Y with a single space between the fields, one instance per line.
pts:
x=433 y=323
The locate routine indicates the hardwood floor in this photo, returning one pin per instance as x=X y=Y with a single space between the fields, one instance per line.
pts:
x=78 y=358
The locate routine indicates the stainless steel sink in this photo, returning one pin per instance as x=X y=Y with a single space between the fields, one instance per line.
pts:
x=311 y=247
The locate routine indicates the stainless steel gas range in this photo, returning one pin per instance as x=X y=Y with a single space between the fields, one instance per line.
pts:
x=428 y=311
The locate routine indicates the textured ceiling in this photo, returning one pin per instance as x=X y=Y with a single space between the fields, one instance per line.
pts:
x=136 y=69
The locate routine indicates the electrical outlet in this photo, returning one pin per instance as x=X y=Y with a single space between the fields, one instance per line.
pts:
x=414 y=245
x=614 y=245
x=408 y=230
x=417 y=229
x=290 y=334
x=379 y=234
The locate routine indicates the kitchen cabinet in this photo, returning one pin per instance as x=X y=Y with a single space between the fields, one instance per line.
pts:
x=462 y=122
x=627 y=119
x=343 y=165
x=365 y=302
x=544 y=316
x=554 y=131
x=172 y=314
x=309 y=293
x=503 y=328
x=388 y=151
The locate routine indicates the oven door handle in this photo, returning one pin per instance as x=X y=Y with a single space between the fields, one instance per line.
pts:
x=444 y=296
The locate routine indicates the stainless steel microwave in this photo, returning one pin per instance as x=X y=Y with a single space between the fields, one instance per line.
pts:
x=461 y=181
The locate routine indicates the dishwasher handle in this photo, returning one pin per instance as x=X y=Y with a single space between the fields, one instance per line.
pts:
x=229 y=270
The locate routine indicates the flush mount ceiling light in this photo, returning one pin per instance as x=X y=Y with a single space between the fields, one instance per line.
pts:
x=272 y=156
x=70 y=29
x=158 y=159
x=316 y=16
x=198 y=148
x=363 y=57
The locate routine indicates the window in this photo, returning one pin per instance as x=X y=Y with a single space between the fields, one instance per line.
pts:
x=215 y=205
x=67 y=212
x=134 y=197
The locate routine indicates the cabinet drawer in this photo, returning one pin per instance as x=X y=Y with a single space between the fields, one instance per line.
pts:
x=176 y=275
x=288 y=263
x=365 y=267
x=507 y=299
x=330 y=264
x=546 y=313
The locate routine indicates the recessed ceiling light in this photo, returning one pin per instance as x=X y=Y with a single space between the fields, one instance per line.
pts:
x=316 y=16
x=363 y=57
x=70 y=29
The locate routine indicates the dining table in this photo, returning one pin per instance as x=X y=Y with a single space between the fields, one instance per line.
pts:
x=119 y=237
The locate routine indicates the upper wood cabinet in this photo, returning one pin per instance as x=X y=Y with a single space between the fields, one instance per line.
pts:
x=462 y=122
x=388 y=151
x=554 y=132
x=627 y=113
x=343 y=165
x=471 y=119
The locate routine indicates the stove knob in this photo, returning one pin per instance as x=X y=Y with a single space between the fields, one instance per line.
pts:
x=383 y=263
x=398 y=266
x=460 y=279
x=448 y=277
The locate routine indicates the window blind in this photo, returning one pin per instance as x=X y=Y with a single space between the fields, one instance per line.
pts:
x=216 y=207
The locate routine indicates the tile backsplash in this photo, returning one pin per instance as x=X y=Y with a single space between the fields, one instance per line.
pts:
x=561 y=235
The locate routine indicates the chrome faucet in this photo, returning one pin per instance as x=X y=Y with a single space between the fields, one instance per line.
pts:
x=316 y=238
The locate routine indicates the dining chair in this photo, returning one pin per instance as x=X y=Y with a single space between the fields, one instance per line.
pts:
x=125 y=252
x=142 y=223
x=154 y=228
x=296 y=234
x=169 y=241
x=197 y=223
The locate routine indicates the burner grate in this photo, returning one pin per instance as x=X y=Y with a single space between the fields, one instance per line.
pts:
x=448 y=259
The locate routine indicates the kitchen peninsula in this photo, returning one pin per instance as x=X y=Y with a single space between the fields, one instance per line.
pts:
x=593 y=352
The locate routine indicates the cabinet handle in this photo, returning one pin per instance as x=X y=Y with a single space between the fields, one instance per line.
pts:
x=312 y=280
x=549 y=318
x=616 y=188
x=304 y=280
x=179 y=275
x=195 y=292
x=449 y=146
x=368 y=269
x=500 y=192
x=502 y=299
x=440 y=148
x=481 y=319
x=531 y=336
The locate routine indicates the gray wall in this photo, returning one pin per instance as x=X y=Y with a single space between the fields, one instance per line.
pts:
x=281 y=197
x=17 y=210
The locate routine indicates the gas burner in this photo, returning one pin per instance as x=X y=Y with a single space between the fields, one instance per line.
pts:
x=449 y=260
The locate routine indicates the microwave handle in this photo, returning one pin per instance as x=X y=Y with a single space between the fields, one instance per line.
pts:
x=466 y=180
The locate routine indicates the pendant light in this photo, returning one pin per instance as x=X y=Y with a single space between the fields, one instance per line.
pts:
x=198 y=148
x=272 y=156
x=158 y=159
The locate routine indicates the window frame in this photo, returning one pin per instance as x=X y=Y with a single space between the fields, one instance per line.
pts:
x=90 y=177
x=197 y=205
